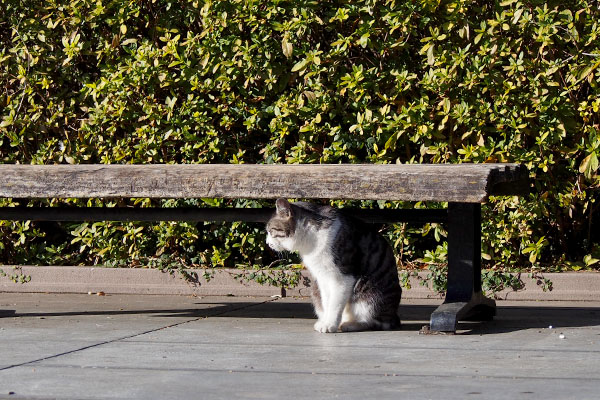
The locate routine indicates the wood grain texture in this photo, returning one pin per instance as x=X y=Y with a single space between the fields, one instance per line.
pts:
x=471 y=183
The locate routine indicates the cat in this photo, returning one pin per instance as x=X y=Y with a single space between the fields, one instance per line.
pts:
x=355 y=279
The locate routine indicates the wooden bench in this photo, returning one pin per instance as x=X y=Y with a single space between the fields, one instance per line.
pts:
x=463 y=186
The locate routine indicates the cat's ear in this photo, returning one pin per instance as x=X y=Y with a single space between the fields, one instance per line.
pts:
x=284 y=208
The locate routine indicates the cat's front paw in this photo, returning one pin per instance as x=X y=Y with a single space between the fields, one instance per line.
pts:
x=325 y=327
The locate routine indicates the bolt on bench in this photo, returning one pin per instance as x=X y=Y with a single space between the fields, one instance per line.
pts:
x=463 y=186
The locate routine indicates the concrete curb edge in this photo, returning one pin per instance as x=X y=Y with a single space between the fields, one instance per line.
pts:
x=571 y=286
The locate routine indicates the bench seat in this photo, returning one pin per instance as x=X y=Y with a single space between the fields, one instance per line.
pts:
x=470 y=183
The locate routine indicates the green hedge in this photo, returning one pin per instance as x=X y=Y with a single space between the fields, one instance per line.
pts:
x=426 y=81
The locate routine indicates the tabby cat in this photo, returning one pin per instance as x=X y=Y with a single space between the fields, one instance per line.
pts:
x=355 y=280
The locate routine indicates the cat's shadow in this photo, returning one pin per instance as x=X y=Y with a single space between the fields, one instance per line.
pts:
x=414 y=317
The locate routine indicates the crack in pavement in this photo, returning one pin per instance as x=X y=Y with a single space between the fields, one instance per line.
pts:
x=207 y=315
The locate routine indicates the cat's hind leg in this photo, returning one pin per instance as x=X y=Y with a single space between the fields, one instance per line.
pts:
x=358 y=316
x=361 y=316
x=355 y=326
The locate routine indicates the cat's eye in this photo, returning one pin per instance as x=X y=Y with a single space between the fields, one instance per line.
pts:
x=275 y=232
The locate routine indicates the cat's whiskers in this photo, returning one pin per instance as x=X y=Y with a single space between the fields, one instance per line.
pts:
x=282 y=256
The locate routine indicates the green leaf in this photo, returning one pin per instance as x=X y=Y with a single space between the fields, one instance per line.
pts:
x=589 y=260
x=128 y=42
x=287 y=48
x=517 y=16
x=589 y=165
x=300 y=65
x=310 y=96
x=430 y=57
x=391 y=142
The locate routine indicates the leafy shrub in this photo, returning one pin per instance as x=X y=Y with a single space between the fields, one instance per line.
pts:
x=424 y=81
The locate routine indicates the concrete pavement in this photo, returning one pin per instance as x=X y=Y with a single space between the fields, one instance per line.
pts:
x=72 y=346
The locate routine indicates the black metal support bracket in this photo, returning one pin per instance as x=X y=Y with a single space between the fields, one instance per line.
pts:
x=202 y=214
x=464 y=299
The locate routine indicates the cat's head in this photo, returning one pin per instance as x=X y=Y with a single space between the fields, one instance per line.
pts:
x=281 y=227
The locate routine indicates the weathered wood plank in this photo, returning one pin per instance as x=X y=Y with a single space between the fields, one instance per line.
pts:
x=415 y=182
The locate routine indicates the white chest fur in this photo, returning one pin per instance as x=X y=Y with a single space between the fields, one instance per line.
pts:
x=316 y=251
x=334 y=286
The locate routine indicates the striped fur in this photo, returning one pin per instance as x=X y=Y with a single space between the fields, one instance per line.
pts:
x=355 y=280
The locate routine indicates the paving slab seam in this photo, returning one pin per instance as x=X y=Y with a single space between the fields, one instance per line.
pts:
x=16 y=397
x=124 y=338
x=358 y=346
x=321 y=373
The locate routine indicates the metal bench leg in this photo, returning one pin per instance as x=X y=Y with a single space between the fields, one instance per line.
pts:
x=464 y=300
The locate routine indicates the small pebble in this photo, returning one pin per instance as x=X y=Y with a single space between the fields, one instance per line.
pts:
x=101 y=294
x=561 y=336
x=550 y=327
x=90 y=293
